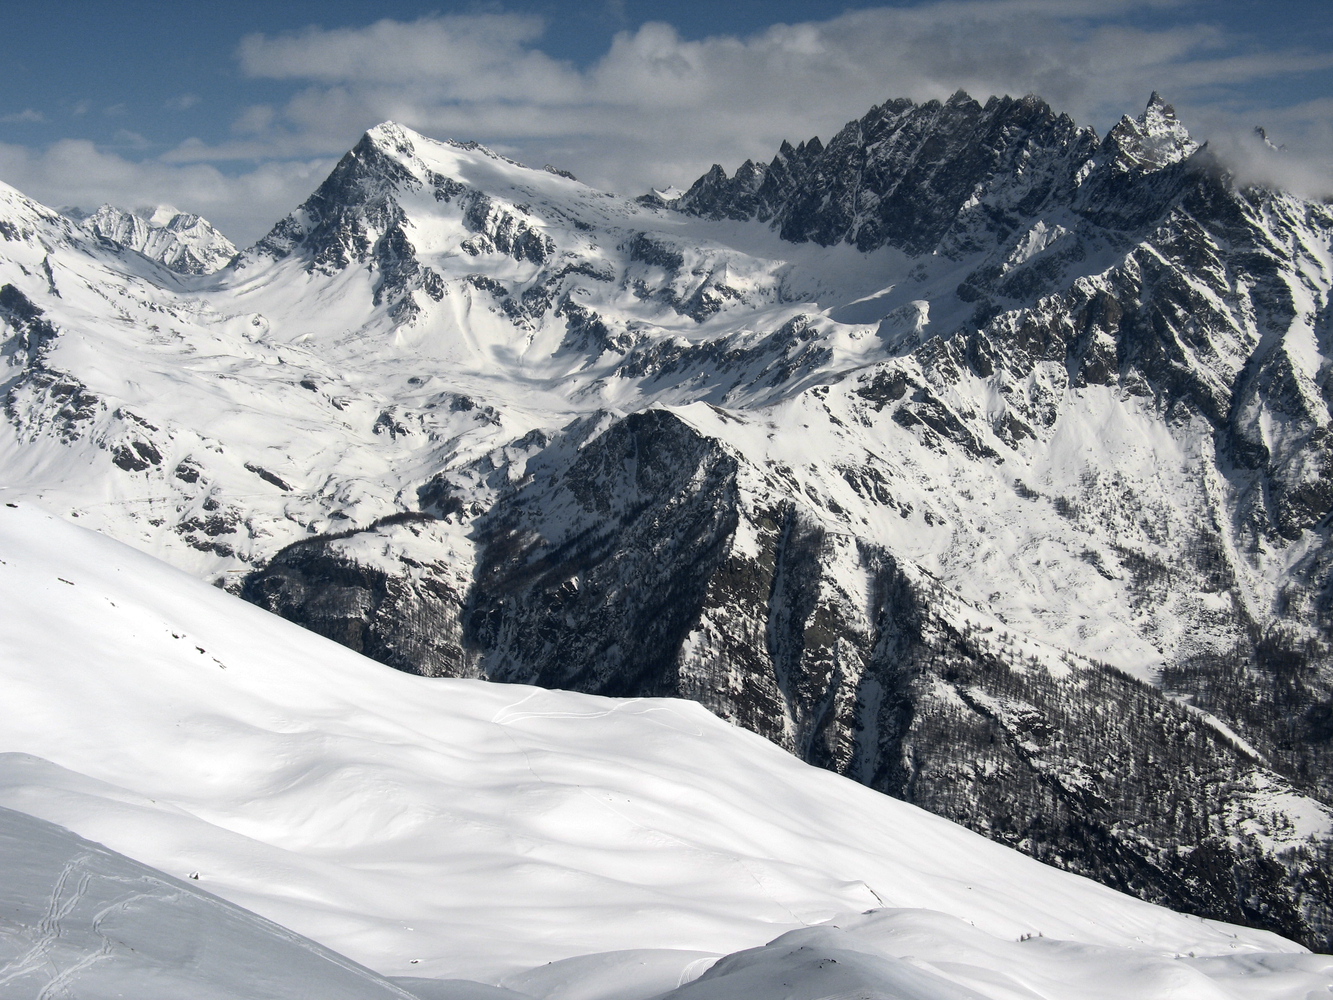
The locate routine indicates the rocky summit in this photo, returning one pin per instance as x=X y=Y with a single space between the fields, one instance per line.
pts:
x=970 y=454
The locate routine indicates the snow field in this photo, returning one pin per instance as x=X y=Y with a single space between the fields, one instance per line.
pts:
x=82 y=921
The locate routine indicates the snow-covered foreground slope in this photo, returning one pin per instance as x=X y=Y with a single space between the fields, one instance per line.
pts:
x=78 y=920
x=923 y=955
x=456 y=828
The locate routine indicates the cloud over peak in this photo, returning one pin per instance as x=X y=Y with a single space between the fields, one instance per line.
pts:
x=658 y=107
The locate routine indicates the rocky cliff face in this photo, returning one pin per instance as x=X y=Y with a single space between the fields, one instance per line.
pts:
x=902 y=175
x=1001 y=489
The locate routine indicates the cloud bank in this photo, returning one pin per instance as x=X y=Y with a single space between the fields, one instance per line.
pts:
x=75 y=172
x=657 y=108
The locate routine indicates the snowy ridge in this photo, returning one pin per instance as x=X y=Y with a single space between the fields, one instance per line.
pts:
x=939 y=478
x=184 y=242
x=437 y=830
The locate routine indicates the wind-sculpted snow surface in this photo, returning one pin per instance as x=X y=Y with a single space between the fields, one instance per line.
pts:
x=920 y=955
x=970 y=455
x=554 y=844
x=83 y=921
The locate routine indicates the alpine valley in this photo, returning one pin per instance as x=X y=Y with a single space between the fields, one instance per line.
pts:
x=972 y=455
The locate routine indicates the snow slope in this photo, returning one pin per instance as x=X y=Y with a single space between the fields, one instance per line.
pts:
x=82 y=921
x=920 y=955
x=437 y=828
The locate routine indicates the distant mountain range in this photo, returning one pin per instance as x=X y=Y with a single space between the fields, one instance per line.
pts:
x=970 y=454
x=183 y=242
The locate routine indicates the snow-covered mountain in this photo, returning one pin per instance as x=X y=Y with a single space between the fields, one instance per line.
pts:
x=184 y=242
x=541 y=844
x=970 y=455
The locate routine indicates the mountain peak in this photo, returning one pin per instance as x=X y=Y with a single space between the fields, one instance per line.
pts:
x=184 y=242
x=1154 y=140
x=161 y=215
x=901 y=174
x=391 y=135
x=1160 y=118
x=401 y=142
x=1261 y=134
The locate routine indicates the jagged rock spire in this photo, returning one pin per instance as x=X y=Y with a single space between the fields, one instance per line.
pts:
x=1154 y=140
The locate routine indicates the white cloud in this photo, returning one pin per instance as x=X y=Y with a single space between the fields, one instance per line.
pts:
x=25 y=117
x=125 y=139
x=476 y=56
x=1305 y=131
x=253 y=119
x=657 y=108
x=75 y=172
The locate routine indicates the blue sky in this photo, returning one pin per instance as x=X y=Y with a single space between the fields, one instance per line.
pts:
x=237 y=110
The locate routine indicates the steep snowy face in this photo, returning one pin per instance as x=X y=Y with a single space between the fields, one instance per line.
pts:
x=1157 y=139
x=186 y=243
x=450 y=226
x=430 y=304
x=1008 y=498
